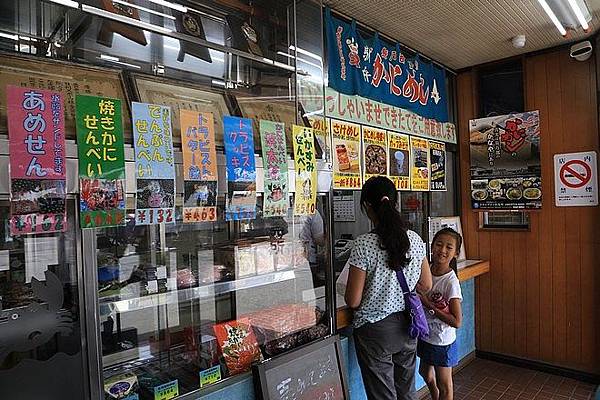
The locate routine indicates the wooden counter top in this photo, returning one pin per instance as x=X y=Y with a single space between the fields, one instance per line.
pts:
x=467 y=269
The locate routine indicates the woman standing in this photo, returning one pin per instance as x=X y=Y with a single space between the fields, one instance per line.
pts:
x=386 y=354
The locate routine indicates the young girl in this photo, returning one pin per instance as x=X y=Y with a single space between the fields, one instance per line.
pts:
x=438 y=352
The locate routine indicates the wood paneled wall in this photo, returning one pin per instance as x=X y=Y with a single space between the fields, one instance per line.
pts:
x=541 y=299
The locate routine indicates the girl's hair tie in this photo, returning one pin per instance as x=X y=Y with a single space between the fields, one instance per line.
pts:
x=385 y=198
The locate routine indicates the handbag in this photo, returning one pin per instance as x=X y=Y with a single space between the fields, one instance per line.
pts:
x=417 y=327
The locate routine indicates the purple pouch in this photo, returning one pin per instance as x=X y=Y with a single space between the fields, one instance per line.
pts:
x=417 y=328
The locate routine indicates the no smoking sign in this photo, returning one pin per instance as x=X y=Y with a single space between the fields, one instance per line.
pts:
x=575 y=179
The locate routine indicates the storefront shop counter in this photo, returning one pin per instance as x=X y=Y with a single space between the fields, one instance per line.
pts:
x=467 y=271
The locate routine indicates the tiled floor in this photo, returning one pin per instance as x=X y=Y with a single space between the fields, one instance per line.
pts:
x=483 y=379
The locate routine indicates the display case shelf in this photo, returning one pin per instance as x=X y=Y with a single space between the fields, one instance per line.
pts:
x=110 y=306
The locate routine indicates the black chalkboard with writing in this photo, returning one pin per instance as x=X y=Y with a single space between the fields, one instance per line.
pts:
x=312 y=372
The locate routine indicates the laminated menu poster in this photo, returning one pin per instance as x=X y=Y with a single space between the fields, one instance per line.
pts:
x=375 y=154
x=238 y=345
x=437 y=158
x=199 y=166
x=419 y=164
x=241 y=169
x=306 y=171
x=399 y=156
x=346 y=159
x=505 y=162
x=100 y=143
x=274 y=154
x=320 y=127
x=154 y=164
x=36 y=127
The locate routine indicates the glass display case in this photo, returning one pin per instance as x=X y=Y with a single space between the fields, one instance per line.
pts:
x=183 y=304
x=170 y=309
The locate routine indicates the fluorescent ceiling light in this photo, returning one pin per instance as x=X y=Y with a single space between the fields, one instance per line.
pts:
x=144 y=9
x=579 y=14
x=168 y=4
x=130 y=21
x=117 y=61
x=552 y=16
x=305 y=52
x=9 y=36
x=68 y=3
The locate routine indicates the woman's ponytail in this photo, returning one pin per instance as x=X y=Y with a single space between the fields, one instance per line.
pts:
x=380 y=194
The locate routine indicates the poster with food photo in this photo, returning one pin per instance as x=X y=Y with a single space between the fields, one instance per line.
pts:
x=419 y=164
x=505 y=162
x=154 y=164
x=399 y=156
x=346 y=158
x=36 y=126
x=437 y=158
x=375 y=154
x=199 y=166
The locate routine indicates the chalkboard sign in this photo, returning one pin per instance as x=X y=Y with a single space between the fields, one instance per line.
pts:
x=312 y=372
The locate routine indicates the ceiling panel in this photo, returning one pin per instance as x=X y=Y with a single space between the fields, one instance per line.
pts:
x=462 y=33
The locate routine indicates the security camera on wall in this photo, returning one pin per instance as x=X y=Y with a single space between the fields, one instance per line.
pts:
x=581 y=51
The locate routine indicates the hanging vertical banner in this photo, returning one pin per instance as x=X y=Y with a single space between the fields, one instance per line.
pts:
x=381 y=71
x=199 y=166
x=437 y=159
x=306 y=171
x=154 y=166
x=36 y=128
x=101 y=161
x=272 y=137
x=346 y=160
x=320 y=127
x=241 y=168
x=399 y=156
x=375 y=154
x=419 y=164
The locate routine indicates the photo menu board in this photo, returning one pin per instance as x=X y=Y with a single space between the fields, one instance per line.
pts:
x=505 y=162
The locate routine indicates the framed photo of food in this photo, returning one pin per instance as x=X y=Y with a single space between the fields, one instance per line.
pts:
x=375 y=148
x=505 y=162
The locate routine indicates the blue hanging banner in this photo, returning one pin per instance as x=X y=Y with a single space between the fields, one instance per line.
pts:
x=378 y=70
x=241 y=169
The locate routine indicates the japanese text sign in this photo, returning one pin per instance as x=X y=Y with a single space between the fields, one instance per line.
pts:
x=37 y=160
x=437 y=158
x=378 y=70
x=306 y=171
x=272 y=136
x=241 y=168
x=399 y=155
x=575 y=179
x=199 y=166
x=99 y=123
x=365 y=111
x=320 y=127
x=346 y=158
x=506 y=172
x=375 y=153
x=154 y=164
x=419 y=164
